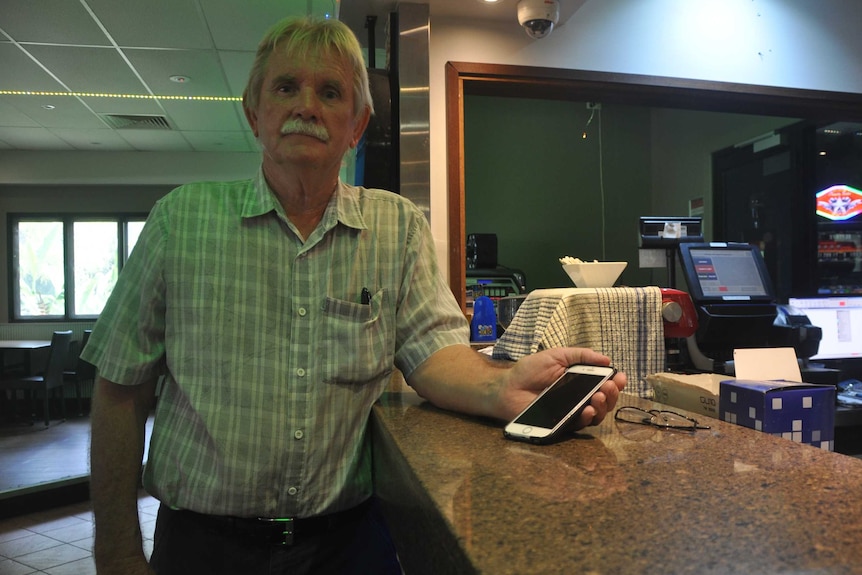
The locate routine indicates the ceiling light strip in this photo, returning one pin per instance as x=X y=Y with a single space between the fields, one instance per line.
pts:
x=125 y=96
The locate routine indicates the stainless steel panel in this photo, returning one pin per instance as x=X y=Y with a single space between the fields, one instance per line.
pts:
x=414 y=108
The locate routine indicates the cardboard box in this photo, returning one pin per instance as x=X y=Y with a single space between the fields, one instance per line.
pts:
x=802 y=412
x=696 y=392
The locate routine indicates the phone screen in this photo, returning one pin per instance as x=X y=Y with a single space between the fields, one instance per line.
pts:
x=556 y=403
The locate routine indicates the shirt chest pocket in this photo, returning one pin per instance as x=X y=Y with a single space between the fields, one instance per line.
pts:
x=358 y=340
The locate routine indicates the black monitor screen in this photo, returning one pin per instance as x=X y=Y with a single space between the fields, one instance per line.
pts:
x=725 y=272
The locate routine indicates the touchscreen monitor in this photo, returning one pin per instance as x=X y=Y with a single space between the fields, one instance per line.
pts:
x=720 y=272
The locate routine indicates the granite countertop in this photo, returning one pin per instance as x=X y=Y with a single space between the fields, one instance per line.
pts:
x=616 y=498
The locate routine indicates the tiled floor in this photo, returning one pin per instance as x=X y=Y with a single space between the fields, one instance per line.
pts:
x=59 y=541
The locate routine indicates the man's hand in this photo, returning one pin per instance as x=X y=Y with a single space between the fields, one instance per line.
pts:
x=533 y=373
x=462 y=379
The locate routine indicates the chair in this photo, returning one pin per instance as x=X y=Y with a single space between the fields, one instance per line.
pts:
x=77 y=370
x=51 y=378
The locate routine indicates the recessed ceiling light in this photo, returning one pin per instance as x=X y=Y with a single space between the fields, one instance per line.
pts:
x=180 y=79
x=49 y=106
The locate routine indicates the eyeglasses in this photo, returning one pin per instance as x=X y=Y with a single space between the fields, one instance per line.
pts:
x=657 y=418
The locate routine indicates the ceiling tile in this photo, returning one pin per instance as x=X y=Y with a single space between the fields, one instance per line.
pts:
x=50 y=21
x=155 y=140
x=85 y=69
x=12 y=116
x=20 y=72
x=104 y=140
x=204 y=116
x=154 y=23
x=201 y=67
x=67 y=112
x=33 y=139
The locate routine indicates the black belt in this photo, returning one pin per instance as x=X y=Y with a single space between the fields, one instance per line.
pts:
x=280 y=531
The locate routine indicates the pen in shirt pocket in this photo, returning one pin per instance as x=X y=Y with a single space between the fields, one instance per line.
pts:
x=366 y=296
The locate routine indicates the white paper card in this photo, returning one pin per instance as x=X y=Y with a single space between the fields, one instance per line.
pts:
x=769 y=363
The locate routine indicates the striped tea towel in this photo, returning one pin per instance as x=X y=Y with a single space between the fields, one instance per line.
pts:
x=623 y=323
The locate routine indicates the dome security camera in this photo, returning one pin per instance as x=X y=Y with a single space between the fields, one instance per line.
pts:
x=538 y=17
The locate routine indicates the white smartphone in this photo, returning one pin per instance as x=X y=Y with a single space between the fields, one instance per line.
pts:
x=558 y=404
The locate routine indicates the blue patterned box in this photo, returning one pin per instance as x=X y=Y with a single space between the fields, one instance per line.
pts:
x=802 y=412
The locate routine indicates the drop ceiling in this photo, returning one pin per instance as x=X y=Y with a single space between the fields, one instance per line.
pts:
x=73 y=54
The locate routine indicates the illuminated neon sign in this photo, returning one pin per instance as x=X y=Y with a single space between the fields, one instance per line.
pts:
x=839 y=203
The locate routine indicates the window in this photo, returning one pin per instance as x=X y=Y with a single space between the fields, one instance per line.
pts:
x=65 y=267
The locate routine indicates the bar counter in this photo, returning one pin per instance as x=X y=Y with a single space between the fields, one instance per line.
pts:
x=615 y=498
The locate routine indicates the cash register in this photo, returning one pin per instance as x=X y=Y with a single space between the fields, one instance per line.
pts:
x=736 y=308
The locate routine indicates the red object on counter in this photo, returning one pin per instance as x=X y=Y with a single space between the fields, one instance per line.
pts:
x=678 y=313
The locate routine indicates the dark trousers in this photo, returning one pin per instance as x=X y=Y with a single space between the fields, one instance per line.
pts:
x=184 y=544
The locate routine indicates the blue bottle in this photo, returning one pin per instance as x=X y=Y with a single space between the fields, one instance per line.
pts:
x=483 y=326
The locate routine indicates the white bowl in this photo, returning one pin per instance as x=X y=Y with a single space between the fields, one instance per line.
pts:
x=595 y=274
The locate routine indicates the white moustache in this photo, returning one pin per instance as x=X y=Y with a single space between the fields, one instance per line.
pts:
x=306 y=129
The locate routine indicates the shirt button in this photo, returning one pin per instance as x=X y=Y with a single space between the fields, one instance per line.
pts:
x=292 y=490
x=300 y=372
x=298 y=434
x=301 y=311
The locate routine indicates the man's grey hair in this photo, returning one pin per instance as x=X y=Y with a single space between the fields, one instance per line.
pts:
x=301 y=37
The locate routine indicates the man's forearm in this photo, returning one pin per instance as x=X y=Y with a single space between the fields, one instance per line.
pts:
x=460 y=379
x=118 y=422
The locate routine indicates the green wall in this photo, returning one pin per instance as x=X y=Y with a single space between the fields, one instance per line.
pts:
x=534 y=181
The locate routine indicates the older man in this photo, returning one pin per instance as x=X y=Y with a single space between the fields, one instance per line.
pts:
x=276 y=309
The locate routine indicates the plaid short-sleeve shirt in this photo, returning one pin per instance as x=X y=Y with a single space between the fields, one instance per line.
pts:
x=273 y=349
